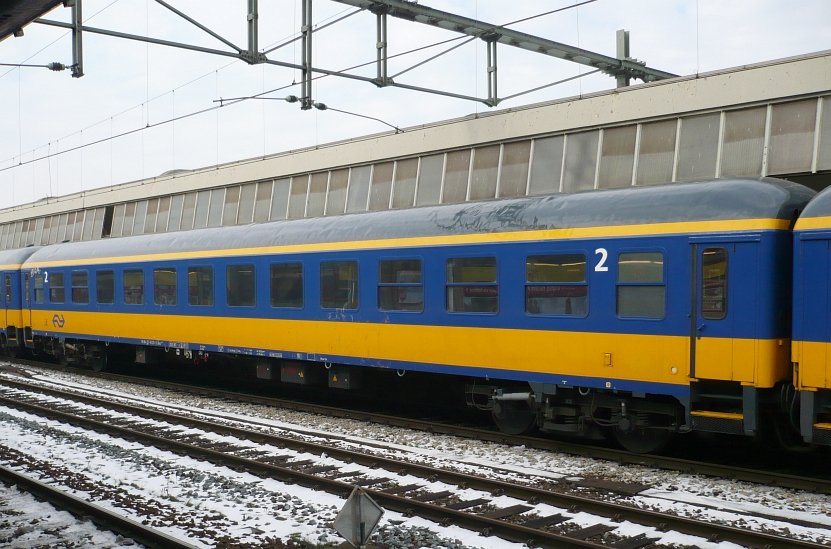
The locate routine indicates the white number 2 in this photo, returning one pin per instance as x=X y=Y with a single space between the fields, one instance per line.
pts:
x=601 y=265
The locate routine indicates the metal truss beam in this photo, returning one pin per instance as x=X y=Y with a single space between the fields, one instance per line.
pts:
x=306 y=76
x=422 y=14
x=623 y=68
x=77 y=40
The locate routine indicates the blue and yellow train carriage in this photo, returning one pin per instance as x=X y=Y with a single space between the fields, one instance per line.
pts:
x=638 y=311
x=812 y=319
x=14 y=318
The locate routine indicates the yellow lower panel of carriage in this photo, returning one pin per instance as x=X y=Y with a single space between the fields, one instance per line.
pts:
x=649 y=358
x=814 y=358
x=760 y=362
x=11 y=317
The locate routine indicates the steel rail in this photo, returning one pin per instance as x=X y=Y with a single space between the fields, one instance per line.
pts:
x=623 y=457
x=392 y=502
x=103 y=518
x=568 y=501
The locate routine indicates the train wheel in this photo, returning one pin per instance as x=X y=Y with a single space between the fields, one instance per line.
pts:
x=513 y=417
x=642 y=441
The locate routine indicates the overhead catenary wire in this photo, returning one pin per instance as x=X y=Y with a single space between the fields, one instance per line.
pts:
x=233 y=101
x=161 y=95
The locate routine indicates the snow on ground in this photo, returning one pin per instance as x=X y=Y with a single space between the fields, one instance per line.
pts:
x=249 y=508
x=26 y=523
x=194 y=499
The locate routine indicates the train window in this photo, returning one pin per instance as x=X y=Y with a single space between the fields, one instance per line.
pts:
x=200 y=286
x=39 y=291
x=240 y=285
x=8 y=292
x=641 y=291
x=400 y=286
x=133 y=287
x=164 y=286
x=714 y=283
x=471 y=285
x=105 y=287
x=556 y=285
x=56 y=288
x=339 y=284
x=287 y=285
x=80 y=287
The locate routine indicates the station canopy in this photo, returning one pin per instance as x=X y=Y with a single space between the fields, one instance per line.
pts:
x=16 y=14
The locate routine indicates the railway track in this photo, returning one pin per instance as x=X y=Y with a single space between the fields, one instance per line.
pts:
x=669 y=463
x=102 y=518
x=301 y=461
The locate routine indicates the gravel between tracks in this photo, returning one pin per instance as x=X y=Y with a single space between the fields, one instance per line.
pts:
x=212 y=504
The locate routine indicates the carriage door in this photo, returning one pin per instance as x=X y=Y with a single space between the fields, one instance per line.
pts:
x=27 y=306
x=6 y=299
x=723 y=310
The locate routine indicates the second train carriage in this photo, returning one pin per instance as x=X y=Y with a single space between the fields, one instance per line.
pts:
x=812 y=318
x=14 y=309
x=637 y=311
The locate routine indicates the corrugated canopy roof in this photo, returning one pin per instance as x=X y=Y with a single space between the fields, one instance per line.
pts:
x=16 y=14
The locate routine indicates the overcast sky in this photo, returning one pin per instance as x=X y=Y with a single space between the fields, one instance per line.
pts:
x=132 y=85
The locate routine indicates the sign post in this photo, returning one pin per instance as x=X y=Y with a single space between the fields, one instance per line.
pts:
x=358 y=519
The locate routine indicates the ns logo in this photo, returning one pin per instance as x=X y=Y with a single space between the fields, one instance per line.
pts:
x=58 y=321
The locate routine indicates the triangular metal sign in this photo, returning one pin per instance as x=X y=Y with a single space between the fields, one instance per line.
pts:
x=358 y=519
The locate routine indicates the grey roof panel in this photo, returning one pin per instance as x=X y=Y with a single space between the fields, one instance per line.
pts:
x=17 y=256
x=820 y=205
x=703 y=201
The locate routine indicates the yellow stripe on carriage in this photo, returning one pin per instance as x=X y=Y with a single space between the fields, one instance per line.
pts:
x=808 y=223
x=686 y=227
x=605 y=356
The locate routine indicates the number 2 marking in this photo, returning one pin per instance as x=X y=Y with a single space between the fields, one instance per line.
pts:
x=601 y=265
